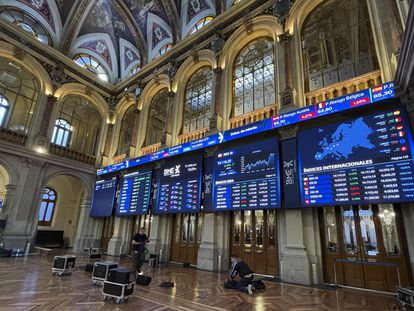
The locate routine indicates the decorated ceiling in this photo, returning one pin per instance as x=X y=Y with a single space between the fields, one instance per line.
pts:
x=121 y=35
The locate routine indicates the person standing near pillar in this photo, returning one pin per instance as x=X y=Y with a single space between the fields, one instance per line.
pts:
x=138 y=249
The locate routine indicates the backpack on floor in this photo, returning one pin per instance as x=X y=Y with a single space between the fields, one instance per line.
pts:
x=258 y=284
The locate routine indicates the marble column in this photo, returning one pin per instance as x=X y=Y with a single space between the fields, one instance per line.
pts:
x=207 y=258
x=89 y=230
x=22 y=213
x=42 y=139
x=295 y=265
x=215 y=120
x=160 y=236
x=286 y=94
x=119 y=242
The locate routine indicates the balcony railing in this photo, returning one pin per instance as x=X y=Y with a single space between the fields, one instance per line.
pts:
x=13 y=137
x=344 y=87
x=71 y=154
x=186 y=137
x=253 y=116
x=150 y=149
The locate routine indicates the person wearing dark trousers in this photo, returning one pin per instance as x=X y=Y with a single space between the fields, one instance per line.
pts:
x=138 y=249
x=242 y=269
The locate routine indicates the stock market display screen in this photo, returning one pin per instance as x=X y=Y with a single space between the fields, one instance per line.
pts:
x=179 y=185
x=134 y=194
x=103 y=198
x=247 y=177
x=365 y=160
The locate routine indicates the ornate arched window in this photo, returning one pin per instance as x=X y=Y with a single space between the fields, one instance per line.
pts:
x=337 y=43
x=157 y=117
x=164 y=49
x=27 y=24
x=254 y=77
x=198 y=97
x=62 y=133
x=127 y=130
x=133 y=70
x=93 y=65
x=4 y=110
x=21 y=91
x=84 y=122
x=200 y=24
x=47 y=207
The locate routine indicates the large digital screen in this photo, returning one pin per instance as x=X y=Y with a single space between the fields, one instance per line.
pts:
x=365 y=160
x=134 y=194
x=346 y=102
x=246 y=177
x=179 y=185
x=103 y=198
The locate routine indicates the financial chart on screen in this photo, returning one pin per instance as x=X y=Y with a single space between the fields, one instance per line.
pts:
x=365 y=160
x=179 y=186
x=246 y=177
x=134 y=194
x=103 y=198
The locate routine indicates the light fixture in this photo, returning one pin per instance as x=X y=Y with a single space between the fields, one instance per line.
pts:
x=40 y=149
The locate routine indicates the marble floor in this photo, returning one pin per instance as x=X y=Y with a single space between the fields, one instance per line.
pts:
x=28 y=284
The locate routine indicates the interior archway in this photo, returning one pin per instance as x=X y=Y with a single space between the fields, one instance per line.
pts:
x=59 y=208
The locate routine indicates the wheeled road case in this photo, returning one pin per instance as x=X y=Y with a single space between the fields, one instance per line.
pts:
x=100 y=271
x=406 y=296
x=118 y=292
x=63 y=265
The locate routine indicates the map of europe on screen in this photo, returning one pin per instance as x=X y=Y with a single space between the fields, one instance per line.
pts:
x=364 y=160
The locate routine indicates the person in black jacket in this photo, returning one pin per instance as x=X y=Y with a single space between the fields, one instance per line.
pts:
x=240 y=268
x=138 y=249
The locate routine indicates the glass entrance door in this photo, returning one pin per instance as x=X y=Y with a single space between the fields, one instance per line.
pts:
x=363 y=247
x=254 y=240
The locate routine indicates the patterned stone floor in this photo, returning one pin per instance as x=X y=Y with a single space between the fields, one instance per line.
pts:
x=28 y=284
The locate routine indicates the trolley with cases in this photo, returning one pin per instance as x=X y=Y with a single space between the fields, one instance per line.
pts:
x=63 y=265
x=118 y=292
x=100 y=271
x=406 y=296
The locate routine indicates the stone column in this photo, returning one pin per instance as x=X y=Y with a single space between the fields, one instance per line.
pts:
x=166 y=133
x=286 y=94
x=207 y=258
x=42 y=139
x=295 y=265
x=215 y=120
x=118 y=243
x=89 y=230
x=161 y=235
x=22 y=213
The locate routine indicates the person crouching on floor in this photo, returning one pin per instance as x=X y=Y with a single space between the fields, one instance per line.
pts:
x=240 y=268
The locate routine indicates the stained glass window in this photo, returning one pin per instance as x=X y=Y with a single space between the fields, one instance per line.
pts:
x=254 y=77
x=47 y=207
x=157 y=117
x=337 y=43
x=134 y=70
x=93 y=65
x=200 y=24
x=27 y=24
x=198 y=98
x=164 y=49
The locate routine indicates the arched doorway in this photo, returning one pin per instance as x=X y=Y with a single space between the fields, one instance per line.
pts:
x=58 y=214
